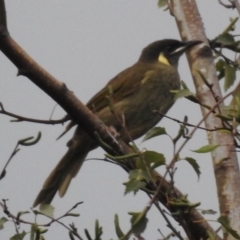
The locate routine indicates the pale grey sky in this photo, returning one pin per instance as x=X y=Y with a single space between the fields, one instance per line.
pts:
x=85 y=44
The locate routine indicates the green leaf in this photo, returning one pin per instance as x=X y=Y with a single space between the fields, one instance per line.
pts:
x=72 y=214
x=18 y=236
x=47 y=210
x=225 y=223
x=98 y=230
x=208 y=211
x=225 y=39
x=139 y=222
x=210 y=236
x=71 y=235
x=2 y=221
x=162 y=3
x=182 y=93
x=26 y=141
x=223 y=220
x=41 y=231
x=32 y=231
x=225 y=131
x=156 y=131
x=220 y=64
x=194 y=165
x=20 y=214
x=230 y=76
x=133 y=185
x=138 y=179
x=87 y=234
x=180 y=133
x=234 y=107
x=154 y=159
x=224 y=117
x=118 y=230
x=183 y=203
x=233 y=22
x=231 y=26
x=220 y=67
x=139 y=174
x=206 y=149
x=184 y=85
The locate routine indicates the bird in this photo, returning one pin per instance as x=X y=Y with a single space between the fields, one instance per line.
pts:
x=136 y=94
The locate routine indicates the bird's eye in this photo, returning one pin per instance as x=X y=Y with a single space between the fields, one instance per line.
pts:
x=168 y=49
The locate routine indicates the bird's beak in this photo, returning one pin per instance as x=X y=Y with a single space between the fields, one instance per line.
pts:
x=186 y=45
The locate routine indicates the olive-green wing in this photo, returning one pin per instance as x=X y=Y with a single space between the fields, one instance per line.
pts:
x=120 y=86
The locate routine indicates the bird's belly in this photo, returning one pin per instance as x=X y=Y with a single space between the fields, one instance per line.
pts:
x=145 y=115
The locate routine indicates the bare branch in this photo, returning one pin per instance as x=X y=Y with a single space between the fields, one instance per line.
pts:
x=233 y=4
x=226 y=172
x=25 y=119
x=226 y=5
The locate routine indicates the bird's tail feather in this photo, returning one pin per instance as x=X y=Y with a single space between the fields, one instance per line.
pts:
x=61 y=176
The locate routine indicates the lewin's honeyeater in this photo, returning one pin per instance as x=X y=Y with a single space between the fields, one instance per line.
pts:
x=136 y=93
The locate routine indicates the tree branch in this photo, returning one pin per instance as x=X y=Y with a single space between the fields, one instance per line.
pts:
x=226 y=172
x=19 y=118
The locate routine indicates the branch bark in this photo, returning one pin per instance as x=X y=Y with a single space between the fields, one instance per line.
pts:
x=226 y=172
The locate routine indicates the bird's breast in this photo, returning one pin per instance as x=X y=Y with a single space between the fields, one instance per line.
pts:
x=140 y=109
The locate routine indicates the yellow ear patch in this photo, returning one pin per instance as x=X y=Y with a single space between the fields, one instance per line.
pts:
x=163 y=59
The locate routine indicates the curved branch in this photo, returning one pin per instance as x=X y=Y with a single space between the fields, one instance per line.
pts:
x=25 y=119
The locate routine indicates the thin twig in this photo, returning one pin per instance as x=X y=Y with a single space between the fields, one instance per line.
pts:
x=226 y=5
x=25 y=119
x=172 y=163
x=18 y=220
x=189 y=124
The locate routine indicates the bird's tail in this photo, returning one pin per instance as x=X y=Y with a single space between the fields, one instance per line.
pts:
x=67 y=168
x=61 y=176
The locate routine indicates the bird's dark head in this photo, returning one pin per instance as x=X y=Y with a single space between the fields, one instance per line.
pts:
x=166 y=51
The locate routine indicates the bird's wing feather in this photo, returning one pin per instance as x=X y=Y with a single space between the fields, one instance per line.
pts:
x=122 y=85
